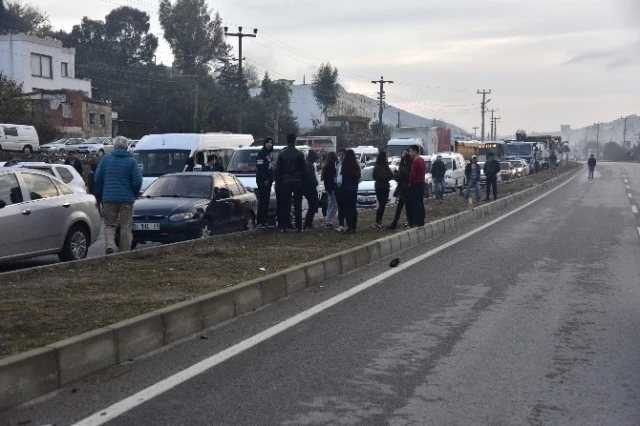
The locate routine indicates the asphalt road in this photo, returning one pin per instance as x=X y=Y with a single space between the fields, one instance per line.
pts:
x=535 y=320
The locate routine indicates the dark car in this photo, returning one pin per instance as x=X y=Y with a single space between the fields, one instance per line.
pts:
x=507 y=171
x=184 y=206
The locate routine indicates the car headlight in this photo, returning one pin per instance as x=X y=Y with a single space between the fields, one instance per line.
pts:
x=181 y=216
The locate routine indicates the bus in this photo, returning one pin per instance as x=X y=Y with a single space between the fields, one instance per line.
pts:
x=481 y=149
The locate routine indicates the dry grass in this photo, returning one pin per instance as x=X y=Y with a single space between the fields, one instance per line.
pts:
x=39 y=310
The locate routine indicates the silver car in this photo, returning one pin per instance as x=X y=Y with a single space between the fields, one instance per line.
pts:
x=61 y=146
x=95 y=147
x=65 y=173
x=41 y=215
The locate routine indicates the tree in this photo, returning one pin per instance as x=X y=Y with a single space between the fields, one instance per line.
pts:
x=325 y=87
x=127 y=30
x=195 y=38
x=279 y=117
x=14 y=108
x=614 y=152
x=18 y=17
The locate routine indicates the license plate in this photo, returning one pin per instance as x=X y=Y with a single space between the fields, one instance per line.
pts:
x=146 y=226
x=366 y=199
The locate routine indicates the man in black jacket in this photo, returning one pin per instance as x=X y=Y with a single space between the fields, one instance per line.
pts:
x=74 y=162
x=491 y=170
x=264 y=180
x=290 y=172
x=592 y=165
x=438 y=170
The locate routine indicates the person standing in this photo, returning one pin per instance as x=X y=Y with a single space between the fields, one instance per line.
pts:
x=402 y=190
x=382 y=175
x=472 y=173
x=351 y=174
x=552 y=160
x=438 y=170
x=213 y=164
x=117 y=183
x=416 y=182
x=289 y=173
x=310 y=189
x=592 y=165
x=340 y=191
x=491 y=170
x=328 y=176
x=264 y=180
x=74 y=162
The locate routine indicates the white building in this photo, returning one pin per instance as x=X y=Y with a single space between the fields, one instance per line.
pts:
x=40 y=64
x=306 y=109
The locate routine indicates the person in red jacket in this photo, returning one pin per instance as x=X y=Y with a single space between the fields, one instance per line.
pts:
x=416 y=189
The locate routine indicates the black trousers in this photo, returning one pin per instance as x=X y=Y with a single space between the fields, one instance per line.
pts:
x=288 y=193
x=311 y=194
x=417 y=204
x=382 y=194
x=264 y=194
x=492 y=183
x=342 y=210
x=402 y=204
x=351 y=208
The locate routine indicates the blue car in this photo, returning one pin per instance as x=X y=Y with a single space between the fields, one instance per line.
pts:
x=185 y=206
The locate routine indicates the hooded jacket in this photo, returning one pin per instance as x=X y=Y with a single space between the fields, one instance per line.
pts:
x=118 y=178
x=264 y=163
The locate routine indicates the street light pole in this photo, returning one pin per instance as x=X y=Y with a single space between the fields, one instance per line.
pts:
x=240 y=36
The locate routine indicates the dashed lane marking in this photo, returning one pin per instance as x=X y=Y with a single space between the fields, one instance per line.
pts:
x=628 y=187
x=630 y=195
x=634 y=209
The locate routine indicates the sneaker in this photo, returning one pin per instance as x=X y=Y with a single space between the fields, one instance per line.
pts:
x=340 y=228
x=109 y=250
x=261 y=226
x=298 y=231
x=329 y=225
x=309 y=228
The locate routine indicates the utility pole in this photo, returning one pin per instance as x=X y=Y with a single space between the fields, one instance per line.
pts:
x=495 y=128
x=484 y=94
x=624 y=132
x=240 y=36
x=475 y=131
x=492 y=121
x=398 y=119
x=381 y=97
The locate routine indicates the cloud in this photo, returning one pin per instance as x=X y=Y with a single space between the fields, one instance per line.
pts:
x=615 y=57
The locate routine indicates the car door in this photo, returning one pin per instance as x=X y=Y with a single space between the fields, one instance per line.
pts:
x=236 y=194
x=223 y=212
x=10 y=139
x=46 y=210
x=14 y=226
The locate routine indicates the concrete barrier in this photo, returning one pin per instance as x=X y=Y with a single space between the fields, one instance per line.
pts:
x=37 y=372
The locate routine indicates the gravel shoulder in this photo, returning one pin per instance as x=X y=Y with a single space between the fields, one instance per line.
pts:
x=38 y=310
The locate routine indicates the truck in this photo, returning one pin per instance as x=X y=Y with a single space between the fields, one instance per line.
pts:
x=431 y=140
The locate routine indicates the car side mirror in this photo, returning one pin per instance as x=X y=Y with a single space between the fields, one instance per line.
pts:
x=222 y=193
x=197 y=168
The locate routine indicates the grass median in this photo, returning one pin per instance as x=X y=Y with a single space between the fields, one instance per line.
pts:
x=38 y=310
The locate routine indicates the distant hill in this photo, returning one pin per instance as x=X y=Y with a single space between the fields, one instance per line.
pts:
x=407 y=119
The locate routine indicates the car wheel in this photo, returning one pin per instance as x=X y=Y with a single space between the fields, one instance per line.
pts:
x=76 y=245
x=61 y=152
x=205 y=229
x=249 y=222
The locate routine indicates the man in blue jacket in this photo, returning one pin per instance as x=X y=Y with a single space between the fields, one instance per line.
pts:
x=117 y=184
x=264 y=180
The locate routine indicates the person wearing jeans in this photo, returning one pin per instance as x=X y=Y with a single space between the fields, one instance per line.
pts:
x=328 y=176
x=472 y=173
x=117 y=183
x=382 y=175
x=438 y=170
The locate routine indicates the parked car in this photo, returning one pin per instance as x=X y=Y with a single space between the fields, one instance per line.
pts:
x=15 y=137
x=367 y=191
x=61 y=146
x=41 y=215
x=428 y=179
x=185 y=206
x=521 y=166
x=454 y=178
x=66 y=174
x=483 y=177
x=132 y=144
x=95 y=147
x=507 y=171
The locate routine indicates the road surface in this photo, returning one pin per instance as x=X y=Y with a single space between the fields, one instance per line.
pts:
x=534 y=320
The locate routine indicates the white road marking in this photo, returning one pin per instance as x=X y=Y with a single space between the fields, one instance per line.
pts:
x=129 y=403
x=634 y=209
x=628 y=187
x=626 y=181
x=638 y=231
x=630 y=195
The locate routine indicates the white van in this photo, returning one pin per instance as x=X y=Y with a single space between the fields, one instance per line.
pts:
x=15 y=137
x=454 y=178
x=161 y=154
x=366 y=155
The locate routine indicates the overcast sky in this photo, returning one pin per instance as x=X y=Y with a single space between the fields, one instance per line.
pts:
x=548 y=62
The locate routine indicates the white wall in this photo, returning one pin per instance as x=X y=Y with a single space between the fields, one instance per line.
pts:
x=15 y=62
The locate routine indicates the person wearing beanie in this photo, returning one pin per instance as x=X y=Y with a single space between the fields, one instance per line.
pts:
x=264 y=180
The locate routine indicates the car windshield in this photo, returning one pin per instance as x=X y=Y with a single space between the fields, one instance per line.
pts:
x=505 y=166
x=367 y=174
x=516 y=163
x=74 y=142
x=244 y=160
x=187 y=186
x=57 y=141
x=161 y=162
x=93 y=141
x=396 y=150
x=518 y=149
x=448 y=164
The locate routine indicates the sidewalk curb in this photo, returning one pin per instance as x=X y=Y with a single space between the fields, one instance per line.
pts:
x=37 y=372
